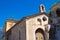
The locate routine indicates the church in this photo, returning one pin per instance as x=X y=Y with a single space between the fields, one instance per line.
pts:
x=33 y=27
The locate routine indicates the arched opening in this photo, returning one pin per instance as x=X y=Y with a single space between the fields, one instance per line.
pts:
x=58 y=12
x=39 y=34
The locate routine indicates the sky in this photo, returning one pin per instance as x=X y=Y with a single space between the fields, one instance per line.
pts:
x=17 y=9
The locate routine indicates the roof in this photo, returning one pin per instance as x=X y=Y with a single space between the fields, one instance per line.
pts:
x=31 y=16
x=11 y=20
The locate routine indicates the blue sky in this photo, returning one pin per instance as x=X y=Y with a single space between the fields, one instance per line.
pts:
x=17 y=9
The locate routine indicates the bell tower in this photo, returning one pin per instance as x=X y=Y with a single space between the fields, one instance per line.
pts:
x=42 y=8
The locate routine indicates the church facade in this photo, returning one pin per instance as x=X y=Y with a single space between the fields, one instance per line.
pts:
x=34 y=27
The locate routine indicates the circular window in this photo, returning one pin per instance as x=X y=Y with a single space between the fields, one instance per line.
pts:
x=44 y=18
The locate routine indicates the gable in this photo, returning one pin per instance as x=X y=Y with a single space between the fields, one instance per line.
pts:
x=38 y=20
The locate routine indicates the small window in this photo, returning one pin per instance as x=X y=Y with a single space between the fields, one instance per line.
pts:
x=44 y=18
x=39 y=20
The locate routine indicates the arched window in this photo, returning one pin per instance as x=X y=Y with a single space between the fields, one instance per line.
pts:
x=58 y=12
x=39 y=34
